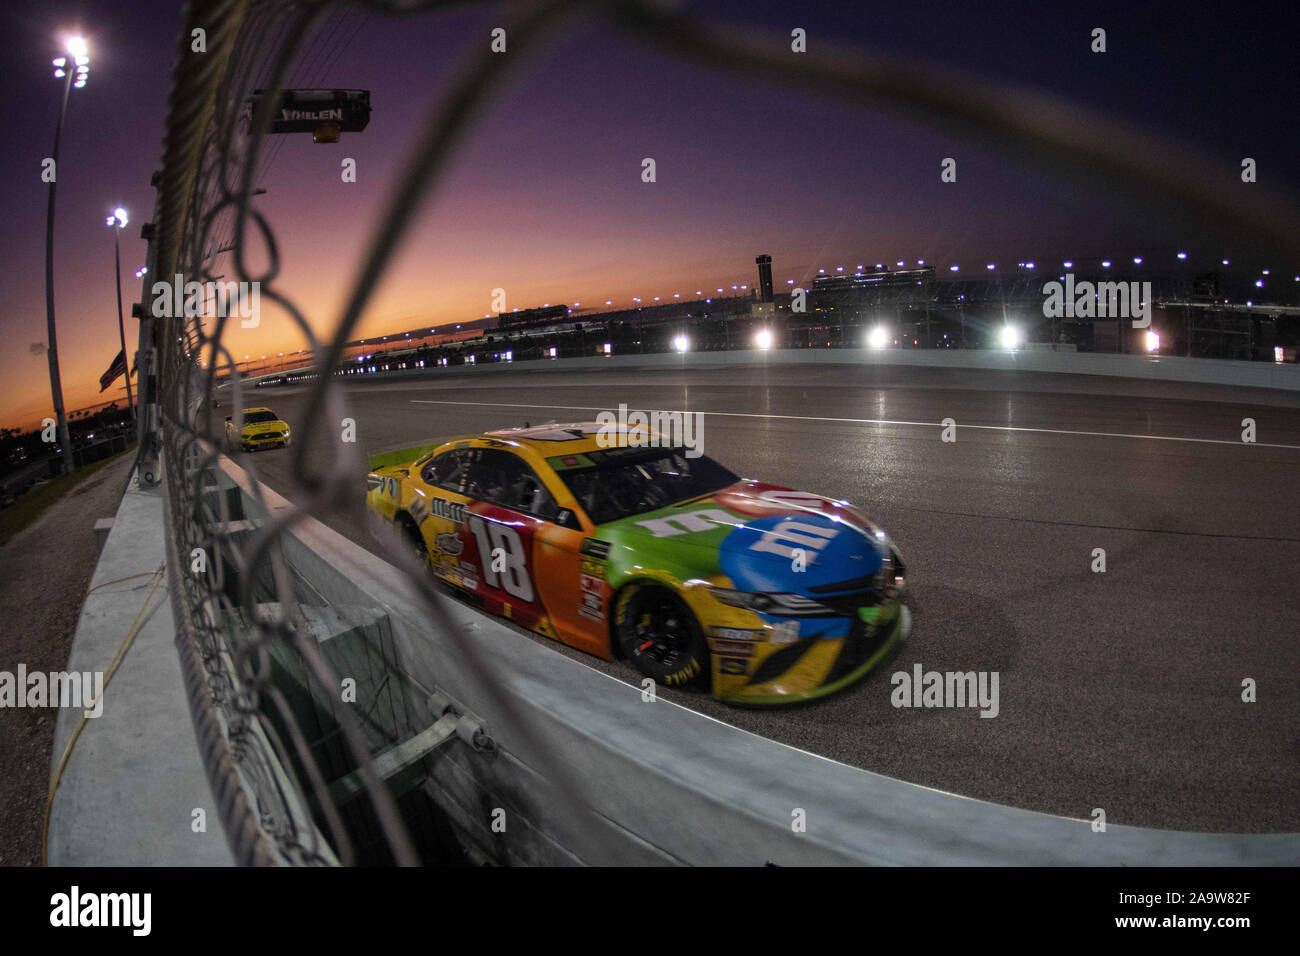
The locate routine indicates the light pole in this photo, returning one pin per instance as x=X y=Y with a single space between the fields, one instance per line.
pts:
x=80 y=65
x=118 y=220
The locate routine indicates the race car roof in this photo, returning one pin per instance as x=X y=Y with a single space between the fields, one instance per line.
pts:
x=564 y=439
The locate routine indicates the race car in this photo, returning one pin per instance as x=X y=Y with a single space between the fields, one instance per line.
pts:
x=660 y=555
x=262 y=428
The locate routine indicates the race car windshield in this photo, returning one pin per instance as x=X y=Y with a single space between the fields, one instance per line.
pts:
x=254 y=418
x=631 y=481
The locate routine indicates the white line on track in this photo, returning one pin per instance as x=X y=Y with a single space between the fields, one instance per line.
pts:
x=886 y=421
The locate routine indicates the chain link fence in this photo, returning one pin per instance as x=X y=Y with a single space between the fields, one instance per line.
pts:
x=244 y=616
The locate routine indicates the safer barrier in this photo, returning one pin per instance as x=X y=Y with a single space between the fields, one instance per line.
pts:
x=662 y=784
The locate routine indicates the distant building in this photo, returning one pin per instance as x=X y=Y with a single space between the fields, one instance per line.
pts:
x=764 y=278
x=527 y=317
x=843 y=282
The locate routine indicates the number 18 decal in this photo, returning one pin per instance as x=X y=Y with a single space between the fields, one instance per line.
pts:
x=501 y=551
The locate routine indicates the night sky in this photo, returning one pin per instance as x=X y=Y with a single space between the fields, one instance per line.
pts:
x=546 y=198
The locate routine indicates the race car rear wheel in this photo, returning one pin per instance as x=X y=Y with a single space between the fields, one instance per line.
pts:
x=657 y=632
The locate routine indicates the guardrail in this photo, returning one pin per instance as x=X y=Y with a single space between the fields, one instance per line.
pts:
x=664 y=784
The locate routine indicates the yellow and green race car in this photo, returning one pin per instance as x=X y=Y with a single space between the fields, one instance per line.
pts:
x=654 y=554
x=261 y=428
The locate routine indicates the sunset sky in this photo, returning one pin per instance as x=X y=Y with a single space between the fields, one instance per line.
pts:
x=546 y=198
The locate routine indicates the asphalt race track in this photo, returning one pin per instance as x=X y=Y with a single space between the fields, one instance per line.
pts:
x=1120 y=690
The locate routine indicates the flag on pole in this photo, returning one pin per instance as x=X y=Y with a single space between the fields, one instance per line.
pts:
x=117 y=368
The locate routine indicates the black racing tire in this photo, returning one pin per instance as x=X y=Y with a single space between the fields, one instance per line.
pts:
x=659 y=634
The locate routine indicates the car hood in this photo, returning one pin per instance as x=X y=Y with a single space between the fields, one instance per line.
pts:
x=261 y=428
x=761 y=537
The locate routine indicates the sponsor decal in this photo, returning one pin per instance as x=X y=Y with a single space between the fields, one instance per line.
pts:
x=691 y=521
x=565 y=462
x=451 y=510
x=449 y=544
x=739 y=634
x=786 y=632
x=733 y=665
x=791 y=553
x=789 y=534
x=593 y=567
x=591 y=584
x=592 y=606
x=732 y=648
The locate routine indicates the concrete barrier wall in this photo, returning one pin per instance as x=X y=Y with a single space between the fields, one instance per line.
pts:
x=1218 y=373
x=665 y=784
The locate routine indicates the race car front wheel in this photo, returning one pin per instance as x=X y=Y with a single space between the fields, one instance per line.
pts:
x=414 y=540
x=657 y=632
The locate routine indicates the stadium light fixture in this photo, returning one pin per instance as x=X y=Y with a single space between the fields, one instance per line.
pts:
x=1153 y=340
x=1010 y=337
x=681 y=343
x=77 y=49
x=878 y=338
x=763 y=339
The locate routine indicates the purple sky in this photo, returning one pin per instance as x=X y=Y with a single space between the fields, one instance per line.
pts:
x=545 y=200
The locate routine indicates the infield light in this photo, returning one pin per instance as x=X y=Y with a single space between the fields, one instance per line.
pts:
x=1010 y=337
x=763 y=339
x=681 y=343
x=878 y=338
x=1153 y=341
